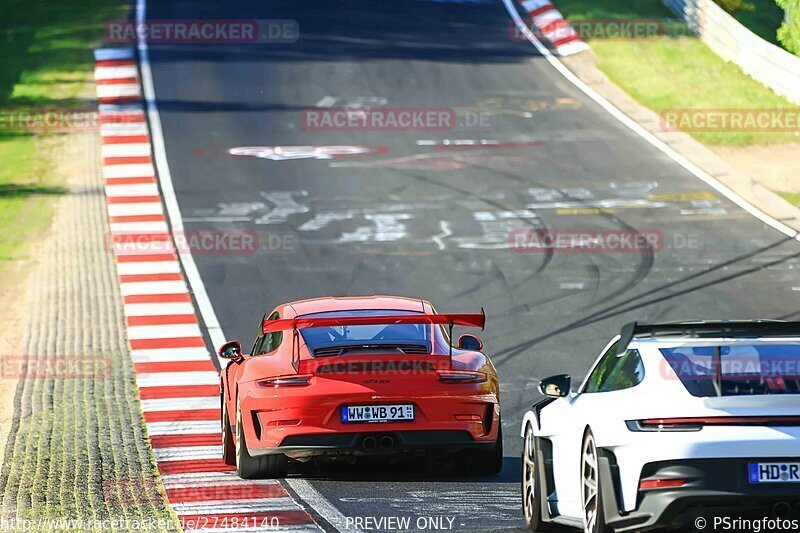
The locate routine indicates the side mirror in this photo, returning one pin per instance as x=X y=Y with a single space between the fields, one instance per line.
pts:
x=231 y=350
x=470 y=342
x=556 y=386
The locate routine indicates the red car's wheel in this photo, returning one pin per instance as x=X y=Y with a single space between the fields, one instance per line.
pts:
x=247 y=466
x=228 y=439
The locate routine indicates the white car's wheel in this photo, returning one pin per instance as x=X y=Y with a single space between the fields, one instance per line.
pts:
x=531 y=489
x=530 y=502
x=592 y=500
x=531 y=492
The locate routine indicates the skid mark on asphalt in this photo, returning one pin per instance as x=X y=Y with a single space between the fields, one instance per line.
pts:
x=178 y=382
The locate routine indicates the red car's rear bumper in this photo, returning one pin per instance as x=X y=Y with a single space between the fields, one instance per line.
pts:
x=305 y=421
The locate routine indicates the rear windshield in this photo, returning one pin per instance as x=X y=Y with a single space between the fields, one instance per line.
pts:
x=735 y=370
x=407 y=338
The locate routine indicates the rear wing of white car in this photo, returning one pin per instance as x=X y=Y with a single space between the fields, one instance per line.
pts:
x=700 y=329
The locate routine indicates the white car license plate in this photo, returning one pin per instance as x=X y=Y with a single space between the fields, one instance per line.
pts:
x=377 y=413
x=774 y=472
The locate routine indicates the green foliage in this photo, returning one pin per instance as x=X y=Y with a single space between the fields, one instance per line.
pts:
x=678 y=73
x=789 y=32
x=734 y=6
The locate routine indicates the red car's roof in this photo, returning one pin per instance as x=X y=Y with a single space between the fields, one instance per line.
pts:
x=329 y=303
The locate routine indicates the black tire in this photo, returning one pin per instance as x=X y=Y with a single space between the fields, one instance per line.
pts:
x=249 y=467
x=486 y=462
x=589 y=453
x=531 y=490
x=228 y=439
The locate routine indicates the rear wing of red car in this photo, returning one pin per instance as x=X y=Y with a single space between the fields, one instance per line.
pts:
x=286 y=324
x=294 y=324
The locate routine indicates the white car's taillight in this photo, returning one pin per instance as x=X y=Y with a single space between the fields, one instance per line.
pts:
x=698 y=423
x=655 y=483
x=662 y=424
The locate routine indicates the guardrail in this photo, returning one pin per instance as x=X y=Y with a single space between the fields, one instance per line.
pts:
x=770 y=64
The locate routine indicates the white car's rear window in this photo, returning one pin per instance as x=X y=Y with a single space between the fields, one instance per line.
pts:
x=735 y=370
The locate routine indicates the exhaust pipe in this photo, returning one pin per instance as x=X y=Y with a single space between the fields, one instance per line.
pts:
x=781 y=509
x=387 y=442
x=369 y=444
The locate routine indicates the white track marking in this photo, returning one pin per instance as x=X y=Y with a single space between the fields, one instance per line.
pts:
x=320 y=504
x=205 y=479
x=255 y=505
x=154 y=287
x=135 y=228
x=126 y=150
x=128 y=128
x=646 y=135
x=187 y=453
x=166 y=355
x=168 y=308
x=174 y=379
x=183 y=428
x=180 y=404
x=166 y=331
x=118 y=91
x=137 y=170
x=139 y=189
x=113 y=73
x=146 y=208
x=158 y=267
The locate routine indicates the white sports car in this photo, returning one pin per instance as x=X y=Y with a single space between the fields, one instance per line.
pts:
x=675 y=424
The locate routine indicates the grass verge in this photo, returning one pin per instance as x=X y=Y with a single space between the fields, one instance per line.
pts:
x=45 y=63
x=77 y=449
x=678 y=72
x=791 y=197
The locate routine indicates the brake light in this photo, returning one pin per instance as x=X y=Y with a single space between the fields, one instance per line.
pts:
x=461 y=376
x=286 y=381
x=661 y=483
x=697 y=423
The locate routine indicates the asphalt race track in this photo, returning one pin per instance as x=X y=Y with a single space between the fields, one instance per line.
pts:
x=418 y=216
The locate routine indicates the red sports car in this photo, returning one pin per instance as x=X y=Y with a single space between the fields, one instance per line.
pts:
x=339 y=378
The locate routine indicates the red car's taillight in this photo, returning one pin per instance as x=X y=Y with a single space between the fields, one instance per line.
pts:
x=285 y=381
x=461 y=376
